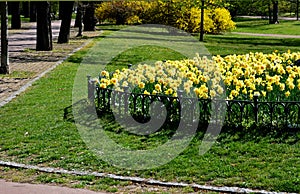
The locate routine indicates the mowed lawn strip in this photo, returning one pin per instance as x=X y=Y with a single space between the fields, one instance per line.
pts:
x=36 y=128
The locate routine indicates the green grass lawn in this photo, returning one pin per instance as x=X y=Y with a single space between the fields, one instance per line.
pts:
x=37 y=128
x=240 y=44
x=263 y=26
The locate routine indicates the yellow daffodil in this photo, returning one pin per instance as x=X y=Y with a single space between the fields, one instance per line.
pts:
x=141 y=85
x=287 y=93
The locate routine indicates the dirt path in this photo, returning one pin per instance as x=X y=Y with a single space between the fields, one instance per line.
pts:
x=25 y=188
x=268 y=35
x=267 y=17
x=27 y=64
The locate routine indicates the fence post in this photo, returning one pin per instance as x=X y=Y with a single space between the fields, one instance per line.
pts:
x=90 y=89
x=255 y=98
x=180 y=100
x=126 y=100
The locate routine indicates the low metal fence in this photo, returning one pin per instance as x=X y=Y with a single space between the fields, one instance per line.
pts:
x=238 y=113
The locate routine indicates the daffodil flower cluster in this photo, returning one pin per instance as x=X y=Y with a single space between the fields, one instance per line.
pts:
x=198 y=77
x=271 y=77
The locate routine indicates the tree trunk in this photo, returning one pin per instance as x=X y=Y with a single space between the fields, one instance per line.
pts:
x=32 y=11
x=15 y=15
x=270 y=13
x=44 y=31
x=4 y=67
x=66 y=16
x=60 y=11
x=78 y=20
x=275 y=12
x=89 y=19
x=297 y=9
x=25 y=9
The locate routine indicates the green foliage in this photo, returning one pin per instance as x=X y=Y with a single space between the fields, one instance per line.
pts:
x=260 y=7
x=185 y=15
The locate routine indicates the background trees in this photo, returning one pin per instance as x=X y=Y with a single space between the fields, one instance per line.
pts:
x=263 y=8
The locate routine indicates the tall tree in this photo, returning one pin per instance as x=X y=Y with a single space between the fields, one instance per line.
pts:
x=15 y=15
x=66 y=17
x=44 y=31
x=89 y=19
x=4 y=67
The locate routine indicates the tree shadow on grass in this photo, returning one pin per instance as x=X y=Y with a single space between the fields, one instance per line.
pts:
x=68 y=114
x=261 y=133
x=228 y=133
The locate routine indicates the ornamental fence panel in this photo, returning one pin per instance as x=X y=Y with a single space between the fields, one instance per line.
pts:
x=239 y=113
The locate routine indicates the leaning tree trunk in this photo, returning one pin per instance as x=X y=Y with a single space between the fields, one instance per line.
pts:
x=44 y=31
x=15 y=15
x=89 y=19
x=4 y=66
x=66 y=16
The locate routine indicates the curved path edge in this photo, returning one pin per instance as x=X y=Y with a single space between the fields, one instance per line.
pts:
x=267 y=35
x=28 y=84
x=138 y=179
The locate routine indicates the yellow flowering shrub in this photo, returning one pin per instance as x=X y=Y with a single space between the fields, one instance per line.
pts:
x=121 y=12
x=271 y=77
x=183 y=14
x=221 y=21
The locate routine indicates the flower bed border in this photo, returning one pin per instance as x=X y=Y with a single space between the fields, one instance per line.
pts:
x=239 y=113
